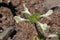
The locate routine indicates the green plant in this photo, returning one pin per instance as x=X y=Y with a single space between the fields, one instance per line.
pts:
x=34 y=18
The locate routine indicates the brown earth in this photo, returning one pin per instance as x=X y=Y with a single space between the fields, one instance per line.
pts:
x=26 y=30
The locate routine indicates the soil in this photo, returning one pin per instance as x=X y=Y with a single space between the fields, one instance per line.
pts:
x=26 y=30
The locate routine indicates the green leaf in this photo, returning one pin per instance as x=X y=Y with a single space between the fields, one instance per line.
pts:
x=19 y=19
x=34 y=18
x=43 y=27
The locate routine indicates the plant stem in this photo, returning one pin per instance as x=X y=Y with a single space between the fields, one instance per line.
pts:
x=41 y=36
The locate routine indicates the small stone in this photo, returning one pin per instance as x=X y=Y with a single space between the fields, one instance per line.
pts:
x=0 y=1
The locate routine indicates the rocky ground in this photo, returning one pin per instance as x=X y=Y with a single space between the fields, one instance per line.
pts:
x=26 y=30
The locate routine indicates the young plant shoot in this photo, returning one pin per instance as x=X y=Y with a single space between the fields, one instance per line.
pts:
x=33 y=18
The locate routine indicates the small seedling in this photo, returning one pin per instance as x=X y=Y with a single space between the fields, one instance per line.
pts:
x=34 y=18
